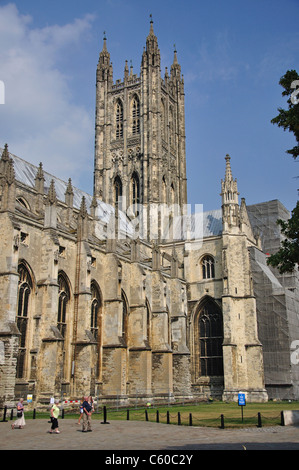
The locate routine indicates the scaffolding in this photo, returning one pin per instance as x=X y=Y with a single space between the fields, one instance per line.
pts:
x=277 y=301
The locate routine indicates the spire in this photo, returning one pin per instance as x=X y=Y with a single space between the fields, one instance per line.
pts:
x=229 y=188
x=69 y=194
x=10 y=174
x=126 y=70
x=230 y=203
x=82 y=229
x=4 y=161
x=152 y=50
x=175 y=71
x=5 y=154
x=40 y=179
x=151 y=27
x=104 y=69
x=52 y=199
x=105 y=43
x=175 y=60
x=50 y=220
x=83 y=209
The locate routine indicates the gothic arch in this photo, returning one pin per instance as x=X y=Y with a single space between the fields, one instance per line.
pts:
x=23 y=202
x=96 y=311
x=164 y=189
x=95 y=308
x=135 y=114
x=163 y=119
x=64 y=297
x=207 y=266
x=207 y=333
x=135 y=189
x=148 y=323
x=117 y=190
x=125 y=318
x=64 y=324
x=119 y=119
x=23 y=318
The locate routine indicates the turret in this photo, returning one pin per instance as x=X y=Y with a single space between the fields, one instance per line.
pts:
x=230 y=200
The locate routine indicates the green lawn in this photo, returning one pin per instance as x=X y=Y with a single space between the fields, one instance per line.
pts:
x=202 y=414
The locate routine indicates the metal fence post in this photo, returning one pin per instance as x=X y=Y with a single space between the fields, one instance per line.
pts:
x=105 y=416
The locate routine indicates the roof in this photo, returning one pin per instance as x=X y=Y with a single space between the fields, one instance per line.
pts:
x=25 y=173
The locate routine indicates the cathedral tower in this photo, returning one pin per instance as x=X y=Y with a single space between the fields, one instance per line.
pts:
x=140 y=133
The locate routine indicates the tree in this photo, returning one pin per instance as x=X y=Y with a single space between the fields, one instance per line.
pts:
x=287 y=258
x=289 y=119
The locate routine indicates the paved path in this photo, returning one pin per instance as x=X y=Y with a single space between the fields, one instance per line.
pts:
x=137 y=436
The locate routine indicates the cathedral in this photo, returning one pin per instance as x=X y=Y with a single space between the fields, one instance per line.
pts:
x=125 y=295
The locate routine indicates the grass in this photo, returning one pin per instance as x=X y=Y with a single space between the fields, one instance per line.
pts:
x=209 y=414
x=203 y=414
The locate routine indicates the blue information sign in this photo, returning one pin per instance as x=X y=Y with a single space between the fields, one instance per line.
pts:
x=241 y=399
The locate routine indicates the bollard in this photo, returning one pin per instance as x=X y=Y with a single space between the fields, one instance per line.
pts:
x=179 y=418
x=128 y=415
x=190 y=419
x=34 y=413
x=11 y=414
x=157 y=416
x=146 y=415
x=281 y=418
x=259 y=420
x=222 y=422
x=105 y=416
x=4 y=415
x=62 y=413
x=168 y=420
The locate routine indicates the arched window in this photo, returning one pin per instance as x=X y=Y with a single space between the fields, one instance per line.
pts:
x=95 y=309
x=163 y=120
x=63 y=299
x=119 y=120
x=171 y=126
x=209 y=339
x=135 y=116
x=135 y=189
x=23 y=202
x=148 y=324
x=164 y=190
x=118 y=190
x=125 y=313
x=172 y=193
x=25 y=288
x=208 y=268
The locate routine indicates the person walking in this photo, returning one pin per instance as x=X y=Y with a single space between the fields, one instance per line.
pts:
x=81 y=410
x=20 y=422
x=87 y=409
x=54 y=418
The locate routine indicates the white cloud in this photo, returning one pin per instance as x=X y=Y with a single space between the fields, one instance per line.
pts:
x=40 y=120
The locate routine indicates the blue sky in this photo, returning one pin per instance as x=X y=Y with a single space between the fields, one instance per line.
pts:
x=232 y=55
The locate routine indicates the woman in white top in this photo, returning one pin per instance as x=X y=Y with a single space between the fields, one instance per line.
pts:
x=20 y=422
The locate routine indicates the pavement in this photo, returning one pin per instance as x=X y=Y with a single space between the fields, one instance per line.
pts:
x=137 y=436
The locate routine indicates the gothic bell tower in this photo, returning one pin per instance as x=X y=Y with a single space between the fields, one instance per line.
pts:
x=140 y=132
